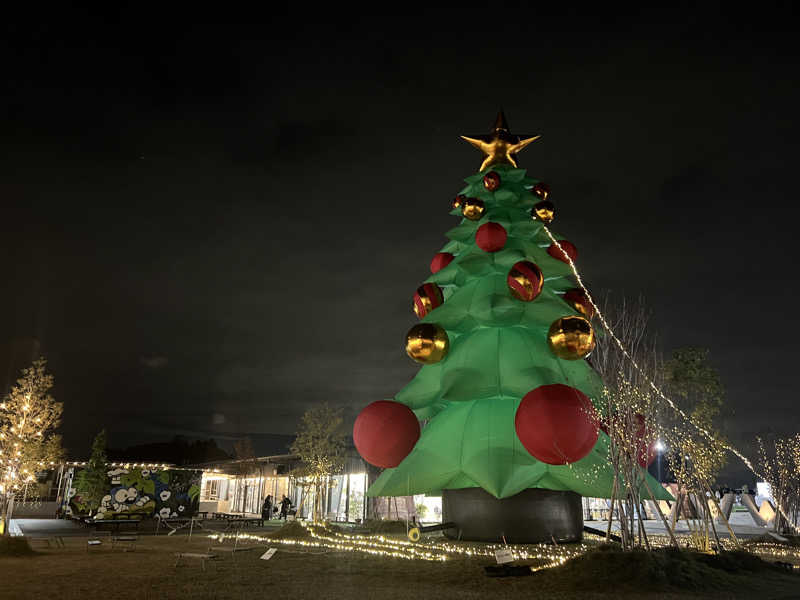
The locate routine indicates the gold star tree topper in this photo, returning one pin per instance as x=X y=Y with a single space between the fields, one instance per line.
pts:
x=500 y=145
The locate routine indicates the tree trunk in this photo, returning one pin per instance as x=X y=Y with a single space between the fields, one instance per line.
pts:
x=9 y=509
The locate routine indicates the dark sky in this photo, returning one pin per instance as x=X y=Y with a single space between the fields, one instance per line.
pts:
x=211 y=227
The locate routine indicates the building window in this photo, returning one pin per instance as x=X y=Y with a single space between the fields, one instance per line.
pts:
x=212 y=490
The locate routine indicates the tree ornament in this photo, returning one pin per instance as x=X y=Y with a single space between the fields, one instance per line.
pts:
x=571 y=337
x=645 y=451
x=427 y=343
x=542 y=190
x=458 y=201
x=567 y=247
x=473 y=209
x=543 y=211
x=491 y=181
x=440 y=261
x=525 y=280
x=385 y=433
x=500 y=146
x=427 y=297
x=557 y=424
x=491 y=237
x=580 y=301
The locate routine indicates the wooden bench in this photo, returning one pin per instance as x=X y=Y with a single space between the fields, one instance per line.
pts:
x=232 y=549
x=126 y=541
x=202 y=557
x=52 y=541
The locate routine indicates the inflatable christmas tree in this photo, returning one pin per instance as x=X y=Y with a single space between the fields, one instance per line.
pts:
x=508 y=402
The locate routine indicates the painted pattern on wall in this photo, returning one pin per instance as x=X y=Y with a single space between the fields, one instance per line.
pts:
x=142 y=492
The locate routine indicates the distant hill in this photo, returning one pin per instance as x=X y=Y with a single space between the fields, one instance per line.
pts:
x=178 y=451
x=183 y=451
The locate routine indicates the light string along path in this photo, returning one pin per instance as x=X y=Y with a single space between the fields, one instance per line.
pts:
x=380 y=545
x=655 y=388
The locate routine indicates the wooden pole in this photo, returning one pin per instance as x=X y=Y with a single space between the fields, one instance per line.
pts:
x=724 y=518
x=611 y=510
x=661 y=514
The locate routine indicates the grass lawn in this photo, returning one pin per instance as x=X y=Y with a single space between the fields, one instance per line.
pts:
x=295 y=572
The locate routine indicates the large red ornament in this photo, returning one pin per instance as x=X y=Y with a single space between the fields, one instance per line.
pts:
x=440 y=261
x=578 y=298
x=557 y=424
x=491 y=181
x=427 y=297
x=568 y=247
x=491 y=237
x=385 y=432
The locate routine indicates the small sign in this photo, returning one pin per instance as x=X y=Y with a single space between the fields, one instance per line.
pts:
x=268 y=554
x=503 y=555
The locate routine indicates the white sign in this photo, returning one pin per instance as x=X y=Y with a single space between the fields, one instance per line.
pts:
x=503 y=555
x=268 y=554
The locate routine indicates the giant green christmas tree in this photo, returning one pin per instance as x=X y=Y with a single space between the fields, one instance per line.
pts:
x=502 y=326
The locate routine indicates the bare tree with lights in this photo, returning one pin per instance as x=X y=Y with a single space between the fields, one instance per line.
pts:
x=320 y=444
x=28 y=416
x=780 y=464
x=631 y=417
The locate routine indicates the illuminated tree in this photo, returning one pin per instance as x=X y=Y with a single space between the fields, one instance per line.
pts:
x=780 y=465
x=28 y=416
x=320 y=444
x=697 y=452
x=632 y=419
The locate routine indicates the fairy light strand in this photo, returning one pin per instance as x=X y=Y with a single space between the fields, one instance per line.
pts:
x=649 y=381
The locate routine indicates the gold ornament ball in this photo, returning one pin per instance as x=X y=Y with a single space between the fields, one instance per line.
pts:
x=571 y=337
x=543 y=211
x=473 y=209
x=427 y=343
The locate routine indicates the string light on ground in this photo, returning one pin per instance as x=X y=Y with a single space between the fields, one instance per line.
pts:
x=379 y=545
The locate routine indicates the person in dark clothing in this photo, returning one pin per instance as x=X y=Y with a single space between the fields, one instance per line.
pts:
x=266 y=508
x=286 y=504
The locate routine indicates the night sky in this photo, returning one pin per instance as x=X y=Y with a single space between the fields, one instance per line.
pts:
x=210 y=228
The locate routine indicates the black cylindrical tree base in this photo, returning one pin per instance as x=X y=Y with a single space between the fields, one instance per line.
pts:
x=529 y=517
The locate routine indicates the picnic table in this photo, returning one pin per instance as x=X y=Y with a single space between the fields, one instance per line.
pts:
x=232 y=520
x=113 y=524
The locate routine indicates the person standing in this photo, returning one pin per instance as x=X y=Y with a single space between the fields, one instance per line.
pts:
x=266 y=508
x=286 y=504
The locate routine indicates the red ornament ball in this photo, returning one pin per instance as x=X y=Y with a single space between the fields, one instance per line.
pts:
x=458 y=201
x=568 y=247
x=557 y=424
x=542 y=190
x=385 y=432
x=440 y=261
x=525 y=280
x=491 y=181
x=491 y=237
x=578 y=299
x=645 y=451
x=427 y=297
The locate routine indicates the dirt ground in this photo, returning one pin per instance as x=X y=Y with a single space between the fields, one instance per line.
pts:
x=149 y=572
